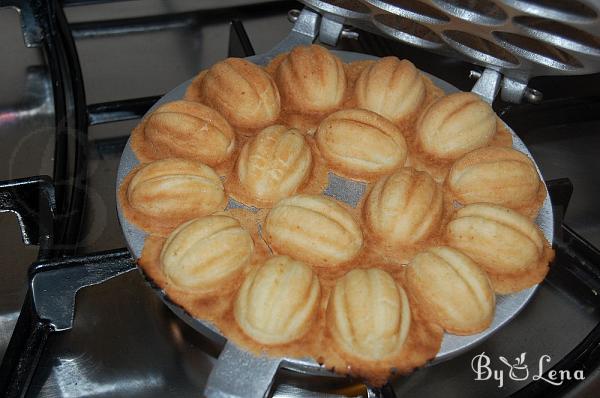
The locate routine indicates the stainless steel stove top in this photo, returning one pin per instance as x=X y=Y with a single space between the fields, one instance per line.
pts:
x=125 y=342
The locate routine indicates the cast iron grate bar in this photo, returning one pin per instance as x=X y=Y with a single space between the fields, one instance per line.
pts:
x=70 y=118
x=50 y=307
x=71 y=219
x=118 y=111
x=239 y=42
x=73 y=3
x=33 y=202
x=179 y=20
x=53 y=282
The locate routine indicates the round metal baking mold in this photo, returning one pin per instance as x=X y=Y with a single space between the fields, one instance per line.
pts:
x=507 y=306
x=519 y=38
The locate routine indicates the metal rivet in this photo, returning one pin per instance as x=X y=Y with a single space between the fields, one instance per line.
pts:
x=349 y=34
x=293 y=15
x=474 y=74
x=533 y=96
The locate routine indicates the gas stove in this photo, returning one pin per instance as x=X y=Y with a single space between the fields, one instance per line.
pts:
x=76 y=322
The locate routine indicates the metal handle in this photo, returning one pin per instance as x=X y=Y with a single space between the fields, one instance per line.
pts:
x=304 y=32
x=240 y=374
x=488 y=85
x=24 y=351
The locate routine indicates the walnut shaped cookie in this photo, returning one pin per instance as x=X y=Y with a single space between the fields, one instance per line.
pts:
x=240 y=90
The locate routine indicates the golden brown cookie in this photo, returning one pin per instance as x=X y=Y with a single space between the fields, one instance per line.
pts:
x=451 y=290
x=313 y=228
x=240 y=90
x=508 y=245
x=203 y=254
x=454 y=125
x=368 y=315
x=372 y=329
x=272 y=166
x=163 y=194
x=497 y=175
x=278 y=301
x=391 y=87
x=184 y=129
x=404 y=208
x=360 y=144
x=311 y=80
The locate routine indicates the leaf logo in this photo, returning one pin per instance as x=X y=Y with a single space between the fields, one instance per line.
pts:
x=519 y=371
